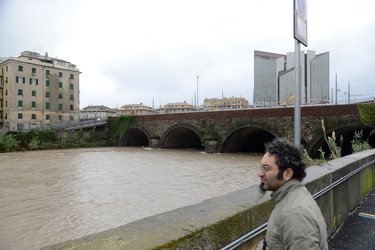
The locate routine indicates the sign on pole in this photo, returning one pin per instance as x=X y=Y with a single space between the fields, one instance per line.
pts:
x=300 y=21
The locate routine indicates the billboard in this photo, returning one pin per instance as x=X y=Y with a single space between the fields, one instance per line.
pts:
x=300 y=21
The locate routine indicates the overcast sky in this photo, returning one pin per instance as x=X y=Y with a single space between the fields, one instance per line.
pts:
x=151 y=51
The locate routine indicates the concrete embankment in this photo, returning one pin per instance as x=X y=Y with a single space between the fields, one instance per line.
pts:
x=215 y=223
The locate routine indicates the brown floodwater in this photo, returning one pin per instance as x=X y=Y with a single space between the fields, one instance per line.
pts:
x=53 y=196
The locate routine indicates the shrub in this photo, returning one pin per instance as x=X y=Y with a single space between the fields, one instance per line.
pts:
x=8 y=143
x=358 y=144
x=34 y=143
x=331 y=141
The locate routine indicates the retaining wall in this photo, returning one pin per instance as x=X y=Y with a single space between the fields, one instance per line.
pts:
x=217 y=222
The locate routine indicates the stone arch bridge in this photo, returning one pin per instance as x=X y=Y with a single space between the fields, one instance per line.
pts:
x=246 y=130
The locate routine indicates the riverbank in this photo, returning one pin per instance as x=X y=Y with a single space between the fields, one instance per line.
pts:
x=51 y=139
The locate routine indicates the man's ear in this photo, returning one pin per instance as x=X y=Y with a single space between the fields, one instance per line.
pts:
x=288 y=174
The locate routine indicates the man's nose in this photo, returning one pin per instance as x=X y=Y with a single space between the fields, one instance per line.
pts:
x=260 y=173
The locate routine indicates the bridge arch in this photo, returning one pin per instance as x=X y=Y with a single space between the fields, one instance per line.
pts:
x=134 y=136
x=249 y=138
x=181 y=135
x=347 y=131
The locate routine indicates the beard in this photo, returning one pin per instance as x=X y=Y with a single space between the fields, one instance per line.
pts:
x=262 y=189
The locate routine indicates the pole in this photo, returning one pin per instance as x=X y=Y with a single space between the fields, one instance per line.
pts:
x=336 y=90
x=197 y=94
x=297 y=106
x=348 y=92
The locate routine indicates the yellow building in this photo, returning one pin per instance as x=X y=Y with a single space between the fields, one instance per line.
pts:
x=177 y=107
x=37 y=91
x=225 y=103
x=135 y=109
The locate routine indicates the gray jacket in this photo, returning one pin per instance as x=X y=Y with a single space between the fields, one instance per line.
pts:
x=296 y=222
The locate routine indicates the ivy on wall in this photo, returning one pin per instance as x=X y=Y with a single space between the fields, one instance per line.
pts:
x=118 y=126
x=367 y=113
x=208 y=131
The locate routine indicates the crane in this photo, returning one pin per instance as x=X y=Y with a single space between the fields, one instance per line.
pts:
x=291 y=98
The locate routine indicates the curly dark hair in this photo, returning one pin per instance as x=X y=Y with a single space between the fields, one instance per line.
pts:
x=287 y=155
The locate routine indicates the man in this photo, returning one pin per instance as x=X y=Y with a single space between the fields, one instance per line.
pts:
x=296 y=222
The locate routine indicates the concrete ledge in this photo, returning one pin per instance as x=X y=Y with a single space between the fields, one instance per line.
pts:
x=217 y=222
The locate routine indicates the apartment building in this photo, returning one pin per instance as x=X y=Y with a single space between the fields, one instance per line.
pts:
x=37 y=91
x=96 y=112
x=225 y=103
x=274 y=78
x=134 y=109
x=177 y=107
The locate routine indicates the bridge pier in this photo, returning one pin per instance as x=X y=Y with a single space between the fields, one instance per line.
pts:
x=155 y=142
x=212 y=145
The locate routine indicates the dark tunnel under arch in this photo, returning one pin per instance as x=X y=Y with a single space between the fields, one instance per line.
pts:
x=134 y=137
x=247 y=139
x=181 y=136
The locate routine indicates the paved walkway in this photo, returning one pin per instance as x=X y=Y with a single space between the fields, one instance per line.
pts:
x=358 y=231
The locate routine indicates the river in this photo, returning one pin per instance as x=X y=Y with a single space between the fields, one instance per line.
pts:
x=53 y=196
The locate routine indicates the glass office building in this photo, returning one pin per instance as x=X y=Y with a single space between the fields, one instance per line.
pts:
x=274 y=78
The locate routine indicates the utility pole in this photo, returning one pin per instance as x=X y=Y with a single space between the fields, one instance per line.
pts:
x=336 y=90
x=348 y=92
x=197 y=93
x=297 y=105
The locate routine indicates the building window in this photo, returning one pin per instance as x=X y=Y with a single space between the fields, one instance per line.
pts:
x=71 y=107
x=20 y=68
x=33 y=93
x=72 y=118
x=47 y=94
x=33 y=105
x=60 y=85
x=20 y=79
x=47 y=83
x=60 y=106
x=60 y=74
x=48 y=106
x=19 y=115
x=20 y=103
x=48 y=73
x=60 y=96
x=33 y=81
x=33 y=116
x=20 y=92
x=71 y=97
x=61 y=63
x=48 y=117
x=60 y=117
x=71 y=76
x=71 y=86
x=33 y=70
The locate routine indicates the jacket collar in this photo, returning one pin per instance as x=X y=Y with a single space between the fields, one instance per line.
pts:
x=284 y=189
